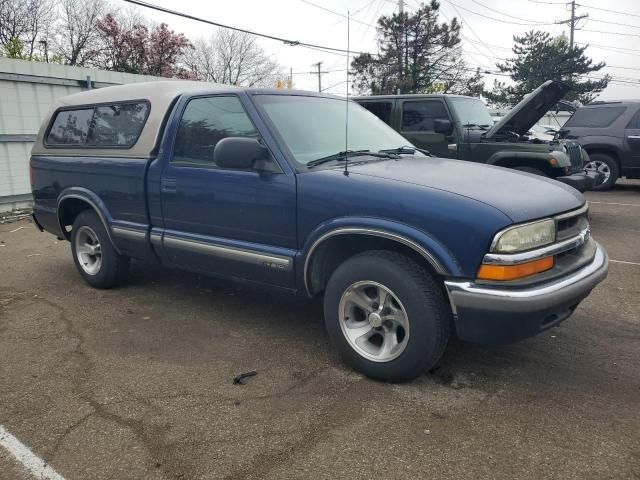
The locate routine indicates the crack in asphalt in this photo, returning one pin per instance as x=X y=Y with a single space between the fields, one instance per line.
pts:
x=337 y=413
x=150 y=436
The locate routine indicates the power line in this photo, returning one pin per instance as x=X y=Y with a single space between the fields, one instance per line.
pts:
x=366 y=5
x=506 y=14
x=486 y=44
x=614 y=23
x=501 y=20
x=622 y=68
x=611 y=33
x=471 y=30
x=293 y=43
x=332 y=11
x=627 y=14
x=548 y=3
x=334 y=85
x=628 y=51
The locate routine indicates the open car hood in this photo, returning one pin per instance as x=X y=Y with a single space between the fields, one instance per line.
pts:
x=532 y=108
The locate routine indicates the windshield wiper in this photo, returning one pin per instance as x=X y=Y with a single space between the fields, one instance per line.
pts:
x=406 y=150
x=341 y=156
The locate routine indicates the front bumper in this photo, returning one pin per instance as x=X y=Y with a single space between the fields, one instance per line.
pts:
x=492 y=315
x=581 y=181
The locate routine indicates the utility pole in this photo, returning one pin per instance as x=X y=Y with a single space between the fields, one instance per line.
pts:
x=401 y=6
x=572 y=21
x=319 y=73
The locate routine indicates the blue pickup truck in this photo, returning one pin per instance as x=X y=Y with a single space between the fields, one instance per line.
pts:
x=265 y=186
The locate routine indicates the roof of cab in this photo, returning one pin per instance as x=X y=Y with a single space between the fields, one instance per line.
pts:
x=152 y=91
x=159 y=94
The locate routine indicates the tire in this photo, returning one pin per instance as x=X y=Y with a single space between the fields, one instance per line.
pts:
x=399 y=339
x=603 y=163
x=532 y=170
x=100 y=267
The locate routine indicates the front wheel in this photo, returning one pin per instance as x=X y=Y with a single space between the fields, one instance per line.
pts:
x=97 y=261
x=386 y=316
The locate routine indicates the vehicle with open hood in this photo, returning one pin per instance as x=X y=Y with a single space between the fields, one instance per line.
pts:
x=265 y=187
x=456 y=126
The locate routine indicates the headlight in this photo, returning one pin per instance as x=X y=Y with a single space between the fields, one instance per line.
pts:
x=525 y=237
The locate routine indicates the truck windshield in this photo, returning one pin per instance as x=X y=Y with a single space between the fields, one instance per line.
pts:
x=314 y=127
x=471 y=111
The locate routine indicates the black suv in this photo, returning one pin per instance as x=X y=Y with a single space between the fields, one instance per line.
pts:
x=610 y=133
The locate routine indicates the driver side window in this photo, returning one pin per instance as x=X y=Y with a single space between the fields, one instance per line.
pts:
x=420 y=116
x=204 y=123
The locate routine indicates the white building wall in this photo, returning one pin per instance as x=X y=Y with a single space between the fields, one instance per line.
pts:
x=27 y=92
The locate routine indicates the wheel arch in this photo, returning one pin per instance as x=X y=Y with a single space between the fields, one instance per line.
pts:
x=332 y=246
x=73 y=201
x=605 y=150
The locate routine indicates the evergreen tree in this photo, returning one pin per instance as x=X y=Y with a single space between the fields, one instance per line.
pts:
x=418 y=54
x=540 y=57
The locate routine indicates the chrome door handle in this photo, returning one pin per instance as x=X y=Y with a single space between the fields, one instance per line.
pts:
x=634 y=137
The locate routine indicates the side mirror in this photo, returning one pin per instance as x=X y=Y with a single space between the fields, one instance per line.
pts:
x=239 y=153
x=443 y=126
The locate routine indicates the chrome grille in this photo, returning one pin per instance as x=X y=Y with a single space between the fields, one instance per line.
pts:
x=572 y=223
x=574 y=151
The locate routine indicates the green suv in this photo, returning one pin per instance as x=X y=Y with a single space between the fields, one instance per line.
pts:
x=460 y=127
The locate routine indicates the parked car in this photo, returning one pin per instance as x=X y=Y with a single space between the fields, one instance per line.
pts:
x=610 y=133
x=544 y=133
x=461 y=127
x=255 y=185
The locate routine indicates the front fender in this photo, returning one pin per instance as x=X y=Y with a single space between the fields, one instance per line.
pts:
x=434 y=252
x=543 y=157
x=93 y=200
x=601 y=144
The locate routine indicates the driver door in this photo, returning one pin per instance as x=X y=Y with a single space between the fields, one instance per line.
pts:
x=238 y=223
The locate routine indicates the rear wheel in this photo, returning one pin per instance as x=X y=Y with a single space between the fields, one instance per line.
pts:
x=606 y=166
x=97 y=261
x=386 y=316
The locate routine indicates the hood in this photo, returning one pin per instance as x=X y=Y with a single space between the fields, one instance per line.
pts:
x=532 y=108
x=521 y=196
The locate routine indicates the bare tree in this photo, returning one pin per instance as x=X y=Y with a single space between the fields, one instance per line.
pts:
x=234 y=58
x=77 y=39
x=26 y=25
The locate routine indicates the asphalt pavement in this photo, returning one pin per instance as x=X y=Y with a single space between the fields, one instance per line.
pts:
x=136 y=382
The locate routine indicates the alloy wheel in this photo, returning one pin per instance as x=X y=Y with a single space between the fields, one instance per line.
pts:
x=599 y=166
x=88 y=251
x=374 y=321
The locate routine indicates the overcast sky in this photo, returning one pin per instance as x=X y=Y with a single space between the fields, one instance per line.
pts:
x=485 y=39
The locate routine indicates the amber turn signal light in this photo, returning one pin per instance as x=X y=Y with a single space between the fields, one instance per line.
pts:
x=513 y=272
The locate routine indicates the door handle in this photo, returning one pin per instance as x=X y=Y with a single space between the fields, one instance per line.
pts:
x=168 y=185
x=633 y=137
